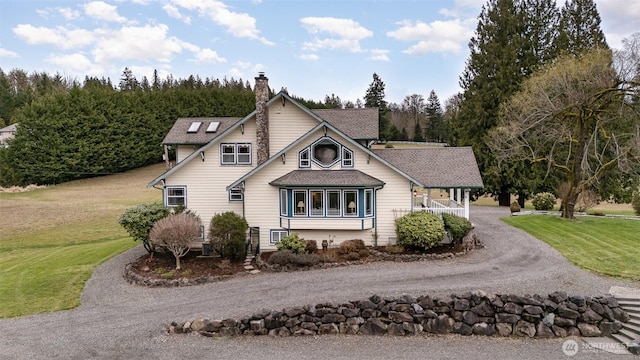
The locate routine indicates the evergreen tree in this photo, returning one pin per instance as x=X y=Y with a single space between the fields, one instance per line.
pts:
x=436 y=130
x=374 y=97
x=128 y=82
x=542 y=19
x=493 y=72
x=580 y=27
x=417 y=133
x=332 y=102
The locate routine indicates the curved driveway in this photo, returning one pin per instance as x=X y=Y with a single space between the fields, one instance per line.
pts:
x=121 y=321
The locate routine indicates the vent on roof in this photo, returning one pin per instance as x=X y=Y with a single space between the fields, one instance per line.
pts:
x=213 y=126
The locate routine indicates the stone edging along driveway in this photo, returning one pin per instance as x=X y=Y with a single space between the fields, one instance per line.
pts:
x=120 y=320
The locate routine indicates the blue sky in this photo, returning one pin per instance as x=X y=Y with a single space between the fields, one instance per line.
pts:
x=311 y=47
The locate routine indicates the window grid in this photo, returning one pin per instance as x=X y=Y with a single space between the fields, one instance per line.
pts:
x=235 y=154
x=176 y=196
x=277 y=235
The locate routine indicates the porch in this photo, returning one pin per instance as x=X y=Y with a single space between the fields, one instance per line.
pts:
x=457 y=203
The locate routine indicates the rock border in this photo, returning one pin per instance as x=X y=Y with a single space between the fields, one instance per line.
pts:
x=470 y=313
x=470 y=242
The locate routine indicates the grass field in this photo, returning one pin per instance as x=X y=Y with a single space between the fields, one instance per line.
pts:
x=603 y=245
x=601 y=208
x=53 y=238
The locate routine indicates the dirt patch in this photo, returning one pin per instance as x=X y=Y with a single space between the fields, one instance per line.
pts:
x=193 y=266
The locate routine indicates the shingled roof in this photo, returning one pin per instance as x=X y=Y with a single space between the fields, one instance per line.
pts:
x=179 y=135
x=359 y=124
x=327 y=178
x=444 y=167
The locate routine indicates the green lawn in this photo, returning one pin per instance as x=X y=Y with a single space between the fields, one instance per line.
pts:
x=606 y=246
x=52 y=239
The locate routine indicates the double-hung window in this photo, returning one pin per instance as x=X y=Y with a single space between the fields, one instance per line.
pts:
x=317 y=202
x=333 y=203
x=176 y=196
x=300 y=202
x=235 y=154
x=368 y=202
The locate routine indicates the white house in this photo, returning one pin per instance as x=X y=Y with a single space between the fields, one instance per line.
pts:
x=7 y=133
x=287 y=169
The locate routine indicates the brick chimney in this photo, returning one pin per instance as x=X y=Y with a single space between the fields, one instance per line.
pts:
x=262 y=117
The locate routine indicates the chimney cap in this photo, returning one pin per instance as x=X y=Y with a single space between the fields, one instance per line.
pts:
x=261 y=74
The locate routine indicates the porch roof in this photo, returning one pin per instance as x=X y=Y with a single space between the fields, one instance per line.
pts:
x=327 y=178
x=441 y=167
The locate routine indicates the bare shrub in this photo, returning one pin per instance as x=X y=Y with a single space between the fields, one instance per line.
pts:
x=312 y=247
x=175 y=233
x=351 y=246
x=587 y=200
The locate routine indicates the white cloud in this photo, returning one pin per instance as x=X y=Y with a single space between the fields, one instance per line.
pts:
x=347 y=33
x=240 y=25
x=619 y=20
x=438 y=36
x=235 y=73
x=175 y=13
x=103 y=11
x=59 y=36
x=463 y=9
x=68 y=13
x=379 y=55
x=8 y=53
x=76 y=63
x=312 y=57
x=208 y=56
x=136 y=42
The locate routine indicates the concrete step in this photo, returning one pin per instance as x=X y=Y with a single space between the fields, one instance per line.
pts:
x=629 y=334
x=629 y=304
x=634 y=316
x=623 y=339
x=633 y=327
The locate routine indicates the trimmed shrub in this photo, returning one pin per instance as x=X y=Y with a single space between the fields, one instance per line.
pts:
x=312 y=247
x=139 y=220
x=292 y=243
x=635 y=202
x=175 y=233
x=458 y=226
x=227 y=234
x=352 y=256
x=287 y=257
x=420 y=230
x=544 y=201
x=350 y=246
x=514 y=207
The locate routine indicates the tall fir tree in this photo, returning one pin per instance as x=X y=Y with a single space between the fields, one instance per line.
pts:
x=374 y=97
x=580 y=27
x=493 y=72
x=437 y=129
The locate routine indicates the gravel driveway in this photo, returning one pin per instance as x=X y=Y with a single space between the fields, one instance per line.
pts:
x=121 y=321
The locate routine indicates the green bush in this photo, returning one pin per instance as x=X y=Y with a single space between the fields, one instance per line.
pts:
x=458 y=226
x=139 y=220
x=292 y=243
x=635 y=202
x=227 y=234
x=544 y=201
x=514 y=207
x=419 y=230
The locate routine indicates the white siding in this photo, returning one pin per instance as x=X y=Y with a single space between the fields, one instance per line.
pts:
x=207 y=180
x=262 y=199
x=286 y=124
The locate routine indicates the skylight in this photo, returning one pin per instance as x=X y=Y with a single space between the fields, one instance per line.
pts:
x=194 y=127
x=213 y=126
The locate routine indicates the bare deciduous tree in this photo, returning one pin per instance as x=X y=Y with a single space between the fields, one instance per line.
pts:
x=578 y=118
x=175 y=233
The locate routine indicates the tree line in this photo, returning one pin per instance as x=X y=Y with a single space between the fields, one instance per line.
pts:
x=70 y=130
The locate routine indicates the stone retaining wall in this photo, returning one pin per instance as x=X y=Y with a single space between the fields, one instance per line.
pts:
x=472 y=313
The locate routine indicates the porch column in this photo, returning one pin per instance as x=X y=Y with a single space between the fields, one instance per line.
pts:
x=458 y=195
x=428 y=203
x=451 y=194
x=466 y=203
